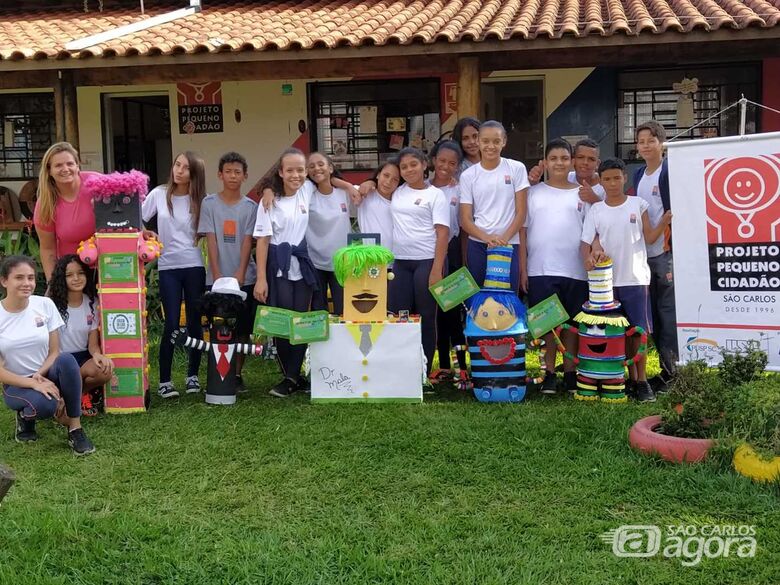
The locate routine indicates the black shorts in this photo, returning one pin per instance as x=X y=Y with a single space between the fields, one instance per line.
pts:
x=82 y=357
x=571 y=292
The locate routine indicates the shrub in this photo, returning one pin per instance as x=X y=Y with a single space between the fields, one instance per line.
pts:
x=739 y=368
x=695 y=402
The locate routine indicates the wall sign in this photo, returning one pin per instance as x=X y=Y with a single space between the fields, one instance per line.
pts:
x=200 y=107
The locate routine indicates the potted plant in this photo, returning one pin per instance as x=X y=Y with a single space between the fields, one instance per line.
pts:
x=696 y=408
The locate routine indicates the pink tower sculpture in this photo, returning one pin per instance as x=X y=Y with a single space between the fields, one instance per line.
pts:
x=120 y=251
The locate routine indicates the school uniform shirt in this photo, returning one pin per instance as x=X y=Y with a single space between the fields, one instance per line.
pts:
x=597 y=189
x=230 y=224
x=649 y=190
x=24 y=336
x=329 y=225
x=415 y=213
x=74 y=335
x=452 y=197
x=620 y=233
x=554 y=223
x=375 y=216
x=176 y=232
x=492 y=195
x=287 y=221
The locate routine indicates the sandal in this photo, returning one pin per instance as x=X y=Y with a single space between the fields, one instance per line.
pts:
x=439 y=376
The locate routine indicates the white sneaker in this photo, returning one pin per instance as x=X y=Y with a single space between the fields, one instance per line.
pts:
x=193 y=385
x=166 y=390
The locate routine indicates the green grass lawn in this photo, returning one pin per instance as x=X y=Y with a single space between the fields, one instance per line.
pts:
x=280 y=491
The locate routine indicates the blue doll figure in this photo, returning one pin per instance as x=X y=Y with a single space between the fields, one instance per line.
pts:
x=495 y=333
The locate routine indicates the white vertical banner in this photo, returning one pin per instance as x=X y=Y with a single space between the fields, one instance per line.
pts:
x=725 y=197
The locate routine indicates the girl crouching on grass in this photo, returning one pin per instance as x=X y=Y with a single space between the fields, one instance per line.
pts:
x=72 y=289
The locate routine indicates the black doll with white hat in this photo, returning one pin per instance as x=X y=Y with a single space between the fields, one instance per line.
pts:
x=221 y=306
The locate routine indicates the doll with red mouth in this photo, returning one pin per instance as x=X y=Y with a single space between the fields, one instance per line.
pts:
x=601 y=355
x=495 y=334
x=221 y=307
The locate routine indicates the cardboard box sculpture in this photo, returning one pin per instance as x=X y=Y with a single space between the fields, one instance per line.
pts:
x=367 y=357
x=120 y=251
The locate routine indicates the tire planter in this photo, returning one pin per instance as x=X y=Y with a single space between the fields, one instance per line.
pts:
x=644 y=438
x=750 y=464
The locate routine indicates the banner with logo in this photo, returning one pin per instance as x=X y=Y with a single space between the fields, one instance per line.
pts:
x=725 y=196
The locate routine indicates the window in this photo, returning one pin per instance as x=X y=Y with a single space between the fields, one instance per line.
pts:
x=362 y=124
x=651 y=94
x=26 y=131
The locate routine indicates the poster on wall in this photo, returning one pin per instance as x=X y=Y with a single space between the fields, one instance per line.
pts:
x=725 y=197
x=200 y=107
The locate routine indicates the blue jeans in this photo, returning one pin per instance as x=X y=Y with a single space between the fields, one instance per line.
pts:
x=65 y=374
x=408 y=291
x=476 y=256
x=175 y=284
x=664 y=310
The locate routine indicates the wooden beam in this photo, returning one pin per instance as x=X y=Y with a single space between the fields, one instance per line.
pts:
x=59 y=111
x=70 y=107
x=468 y=87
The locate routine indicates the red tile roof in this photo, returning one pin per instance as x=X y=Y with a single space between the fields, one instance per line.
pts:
x=234 y=25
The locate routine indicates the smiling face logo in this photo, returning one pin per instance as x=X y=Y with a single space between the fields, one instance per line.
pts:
x=741 y=193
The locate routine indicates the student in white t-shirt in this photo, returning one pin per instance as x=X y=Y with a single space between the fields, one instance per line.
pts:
x=550 y=252
x=585 y=163
x=286 y=276
x=34 y=372
x=493 y=202
x=329 y=224
x=374 y=213
x=447 y=157
x=619 y=228
x=181 y=270
x=72 y=288
x=421 y=227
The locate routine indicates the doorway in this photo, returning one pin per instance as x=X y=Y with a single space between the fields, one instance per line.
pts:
x=519 y=106
x=137 y=134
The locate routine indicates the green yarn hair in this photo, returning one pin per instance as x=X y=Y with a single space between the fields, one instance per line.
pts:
x=354 y=260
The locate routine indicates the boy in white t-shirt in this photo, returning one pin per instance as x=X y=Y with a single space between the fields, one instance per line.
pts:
x=550 y=252
x=493 y=202
x=585 y=160
x=618 y=228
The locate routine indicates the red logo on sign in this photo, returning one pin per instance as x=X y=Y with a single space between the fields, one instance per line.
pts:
x=741 y=193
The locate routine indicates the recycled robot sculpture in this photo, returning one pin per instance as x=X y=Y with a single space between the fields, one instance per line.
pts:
x=601 y=357
x=221 y=306
x=120 y=251
x=496 y=334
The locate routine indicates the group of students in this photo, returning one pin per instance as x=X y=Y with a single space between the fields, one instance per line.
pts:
x=434 y=215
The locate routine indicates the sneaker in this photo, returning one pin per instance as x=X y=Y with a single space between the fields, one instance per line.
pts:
x=550 y=384
x=87 y=406
x=240 y=388
x=167 y=390
x=303 y=385
x=25 y=429
x=284 y=389
x=193 y=385
x=79 y=442
x=630 y=388
x=570 y=382
x=659 y=385
x=644 y=393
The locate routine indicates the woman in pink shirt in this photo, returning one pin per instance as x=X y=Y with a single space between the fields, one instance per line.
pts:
x=63 y=214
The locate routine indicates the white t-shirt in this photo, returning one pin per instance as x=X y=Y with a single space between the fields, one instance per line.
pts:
x=375 y=217
x=82 y=320
x=24 y=336
x=620 y=233
x=329 y=225
x=554 y=224
x=177 y=232
x=415 y=213
x=649 y=191
x=287 y=221
x=452 y=197
x=492 y=195
x=597 y=189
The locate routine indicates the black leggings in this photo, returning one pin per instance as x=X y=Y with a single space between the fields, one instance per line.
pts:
x=449 y=324
x=408 y=291
x=319 y=301
x=296 y=296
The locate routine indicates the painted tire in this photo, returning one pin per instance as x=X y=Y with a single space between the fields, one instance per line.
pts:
x=644 y=438
x=748 y=463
